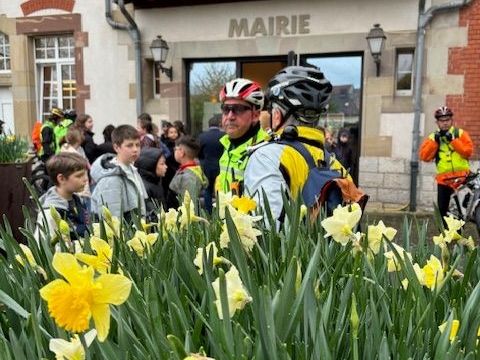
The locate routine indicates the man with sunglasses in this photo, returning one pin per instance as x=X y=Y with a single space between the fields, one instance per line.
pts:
x=242 y=100
x=451 y=147
x=297 y=96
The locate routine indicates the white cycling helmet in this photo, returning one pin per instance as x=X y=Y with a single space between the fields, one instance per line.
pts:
x=243 y=89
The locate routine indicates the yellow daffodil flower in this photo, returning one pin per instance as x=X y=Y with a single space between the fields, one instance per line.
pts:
x=103 y=260
x=376 y=233
x=112 y=229
x=73 y=349
x=237 y=295
x=74 y=301
x=433 y=273
x=198 y=357
x=244 y=224
x=198 y=261
x=339 y=226
x=187 y=212
x=28 y=254
x=170 y=220
x=453 y=329
x=392 y=262
x=31 y=260
x=142 y=241
x=244 y=204
x=453 y=224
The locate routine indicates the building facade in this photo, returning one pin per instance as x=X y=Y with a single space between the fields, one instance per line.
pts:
x=65 y=53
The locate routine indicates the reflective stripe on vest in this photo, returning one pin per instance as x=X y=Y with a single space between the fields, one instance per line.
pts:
x=234 y=161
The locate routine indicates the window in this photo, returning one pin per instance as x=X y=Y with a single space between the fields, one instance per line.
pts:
x=4 y=53
x=56 y=84
x=205 y=81
x=404 y=71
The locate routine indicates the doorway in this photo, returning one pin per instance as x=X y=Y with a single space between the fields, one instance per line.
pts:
x=207 y=76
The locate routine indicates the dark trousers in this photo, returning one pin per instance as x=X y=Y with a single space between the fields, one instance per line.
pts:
x=443 y=198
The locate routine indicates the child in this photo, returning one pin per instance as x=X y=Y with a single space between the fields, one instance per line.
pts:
x=145 y=129
x=72 y=143
x=118 y=184
x=189 y=175
x=152 y=167
x=68 y=171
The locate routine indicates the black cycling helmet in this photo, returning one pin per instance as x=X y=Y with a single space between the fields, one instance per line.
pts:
x=303 y=91
x=70 y=114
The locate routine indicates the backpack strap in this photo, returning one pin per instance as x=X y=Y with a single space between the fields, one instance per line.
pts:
x=297 y=145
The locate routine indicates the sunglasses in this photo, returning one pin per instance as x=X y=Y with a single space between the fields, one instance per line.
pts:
x=237 y=109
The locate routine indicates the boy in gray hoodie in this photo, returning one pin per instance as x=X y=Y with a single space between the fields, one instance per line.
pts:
x=118 y=185
x=69 y=173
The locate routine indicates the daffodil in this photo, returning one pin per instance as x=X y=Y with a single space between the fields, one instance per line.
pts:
x=393 y=264
x=198 y=357
x=102 y=261
x=198 y=261
x=453 y=329
x=112 y=228
x=28 y=254
x=339 y=226
x=80 y=297
x=244 y=204
x=433 y=273
x=244 y=224
x=170 y=220
x=376 y=234
x=453 y=225
x=187 y=212
x=224 y=200
x=31 y=260
x=142 y=241
x=237 y=295
x=73 y=349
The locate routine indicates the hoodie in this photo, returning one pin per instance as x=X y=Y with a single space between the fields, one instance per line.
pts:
x=72 y=211
x=146 y=165
x=118 y=187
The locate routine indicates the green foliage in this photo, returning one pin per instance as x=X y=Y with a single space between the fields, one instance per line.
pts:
x=311 y=299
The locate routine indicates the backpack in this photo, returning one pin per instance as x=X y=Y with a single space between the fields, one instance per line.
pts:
x=60 y=131
x=36 y=136
x=325 y=187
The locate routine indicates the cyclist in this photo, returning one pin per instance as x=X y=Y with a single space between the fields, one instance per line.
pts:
x=450 y=147
x=242 y=100
x=297 y=96
x=47 y=134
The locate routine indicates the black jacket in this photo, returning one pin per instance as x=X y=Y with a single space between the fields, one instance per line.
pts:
x=146 y=165
x=211 y=151
x=89 y=146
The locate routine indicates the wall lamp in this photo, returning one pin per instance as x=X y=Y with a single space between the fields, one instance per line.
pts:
x=159 y=49
x=376 y=41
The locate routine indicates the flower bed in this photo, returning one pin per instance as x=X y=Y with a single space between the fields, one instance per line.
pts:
x=231 y=288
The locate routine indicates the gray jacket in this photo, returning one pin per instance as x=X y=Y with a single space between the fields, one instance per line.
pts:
x=115 y=188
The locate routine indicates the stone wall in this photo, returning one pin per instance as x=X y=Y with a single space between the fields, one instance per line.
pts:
x=387 y=181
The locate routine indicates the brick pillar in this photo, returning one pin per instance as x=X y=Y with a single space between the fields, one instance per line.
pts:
x=466 y=61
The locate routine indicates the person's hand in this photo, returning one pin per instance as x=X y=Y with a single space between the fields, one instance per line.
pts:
x=437 y=137
x=449 y=136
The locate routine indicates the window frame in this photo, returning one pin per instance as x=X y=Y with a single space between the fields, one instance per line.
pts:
x=4 y=45
x=58 y=62
x=398 y=52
